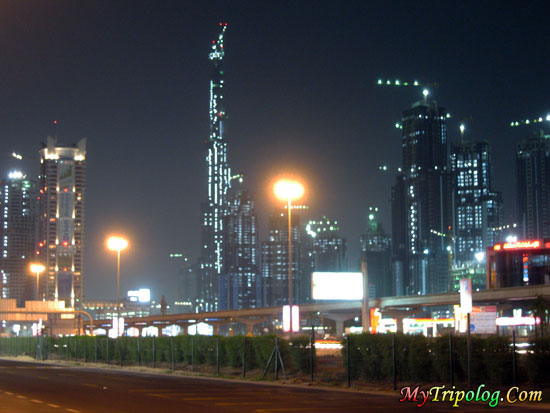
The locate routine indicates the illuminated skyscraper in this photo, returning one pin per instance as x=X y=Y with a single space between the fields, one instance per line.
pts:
x=219 y=182
x=533 y=180
x=17 y=235
x=328 y=248
x=241 y=260
x=420 y=202
x=477 y=209
x=62 y=196
x=274 y=254
x=322 y=249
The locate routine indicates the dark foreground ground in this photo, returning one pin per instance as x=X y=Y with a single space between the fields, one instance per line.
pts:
x=34 y=387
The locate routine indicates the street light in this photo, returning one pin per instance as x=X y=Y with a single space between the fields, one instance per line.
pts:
x=116 y=243
x=37 y=268
x=289 y=190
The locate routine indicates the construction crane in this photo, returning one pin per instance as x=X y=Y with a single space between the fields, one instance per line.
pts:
x=415 y=83
x=525 y=122
x=399 y=83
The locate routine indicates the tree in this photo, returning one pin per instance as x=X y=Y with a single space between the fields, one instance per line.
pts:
x=541 y=309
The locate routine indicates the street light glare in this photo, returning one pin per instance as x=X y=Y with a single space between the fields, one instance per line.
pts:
x=37 y=268
x=285 y=189
x=115 y=243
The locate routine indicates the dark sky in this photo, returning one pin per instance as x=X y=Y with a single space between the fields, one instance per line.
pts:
x=132 y=77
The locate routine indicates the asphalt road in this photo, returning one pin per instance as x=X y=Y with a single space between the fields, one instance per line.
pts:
x=34 y=387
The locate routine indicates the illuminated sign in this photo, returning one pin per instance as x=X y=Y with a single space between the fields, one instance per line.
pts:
x=518 y=245
x=337 y=286
x=295 y=318
x=517 y=321
x=466 y=295
x=375 y=317
x=143 y=295
x=117 y=329
x=484 y=320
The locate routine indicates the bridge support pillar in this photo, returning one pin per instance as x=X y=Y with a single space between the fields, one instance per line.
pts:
x=339 y=320
x=249 y=323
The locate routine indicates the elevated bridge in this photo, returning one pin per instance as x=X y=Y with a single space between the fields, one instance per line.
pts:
x=340 y=311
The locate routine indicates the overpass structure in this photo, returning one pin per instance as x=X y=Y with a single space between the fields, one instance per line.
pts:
x=54 y=314
x=340 y=311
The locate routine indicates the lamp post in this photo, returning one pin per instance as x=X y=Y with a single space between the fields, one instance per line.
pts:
x=116 y=243
x=289 y=190
x=37 y=268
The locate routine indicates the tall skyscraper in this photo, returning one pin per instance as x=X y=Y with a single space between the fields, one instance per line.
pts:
x=420 y=202
x=241 y=255
x=533 y=191
x=62 y=196
x=274 y=259
x=477 y=208
x=218 y=182
x=376 y=252
x=324 y=250
x=17 y=235
x=328 y=248
x=188 y=284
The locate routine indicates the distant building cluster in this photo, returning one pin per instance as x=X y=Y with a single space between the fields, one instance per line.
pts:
x=445 y=216
x=43 y=223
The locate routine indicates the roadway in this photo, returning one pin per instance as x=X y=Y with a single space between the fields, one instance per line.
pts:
x=35 y=387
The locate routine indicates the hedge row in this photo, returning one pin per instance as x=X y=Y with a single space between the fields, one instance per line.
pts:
x=423 y=359
x=418 y=358
x=181 y=350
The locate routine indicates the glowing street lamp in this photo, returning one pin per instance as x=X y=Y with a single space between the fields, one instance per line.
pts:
x=289 y=190
x=37 y=268
x=116 y=243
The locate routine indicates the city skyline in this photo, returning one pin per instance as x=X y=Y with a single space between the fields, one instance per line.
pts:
x=323 y=126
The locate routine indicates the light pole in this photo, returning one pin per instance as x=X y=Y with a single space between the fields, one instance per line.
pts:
x=289 y=190
x=116 y=243
x=37 y=268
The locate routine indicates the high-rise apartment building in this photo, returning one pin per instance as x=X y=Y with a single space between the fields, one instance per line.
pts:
x=241 y=254
x=17 y=236
x=218 y=182
x=327 y=248
x=420 y=200
x=61 y=207
x=376 y=253
x=477 y=211
x=533 y=186
x=274 y=260
x=324 y=250
x=477 y=208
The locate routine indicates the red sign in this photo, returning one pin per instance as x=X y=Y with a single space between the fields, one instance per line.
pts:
x=518 y=245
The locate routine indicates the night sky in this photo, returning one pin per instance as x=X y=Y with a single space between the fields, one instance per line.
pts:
x=301 y=95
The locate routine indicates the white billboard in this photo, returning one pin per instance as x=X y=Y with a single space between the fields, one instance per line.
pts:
x=483 y=320
x=143 y=295
x=337 y=286
x=466 y=295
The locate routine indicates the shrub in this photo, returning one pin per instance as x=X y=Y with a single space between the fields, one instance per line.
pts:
x=539 y=362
